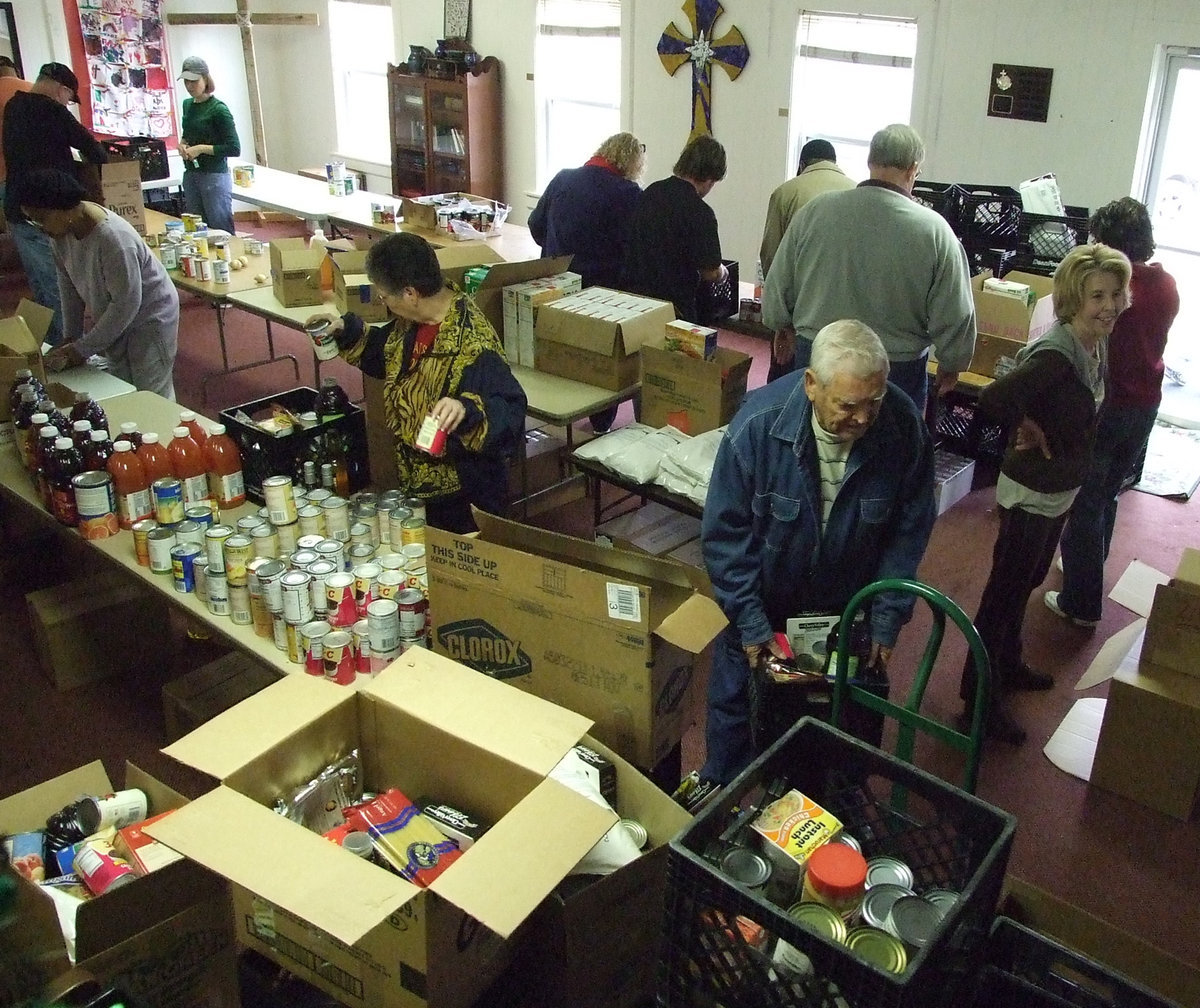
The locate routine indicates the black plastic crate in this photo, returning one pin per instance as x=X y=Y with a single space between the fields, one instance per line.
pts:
x=948 y=838
x=1051 y=975
x=944 y=198
x=988 y=212
x=997 y=258
x=151 y=154
x=1045 y=239
x=264 y=455
x=715 y=305
x=961 y=427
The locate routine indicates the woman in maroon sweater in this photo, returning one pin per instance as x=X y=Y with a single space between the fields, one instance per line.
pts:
x=1133 y=391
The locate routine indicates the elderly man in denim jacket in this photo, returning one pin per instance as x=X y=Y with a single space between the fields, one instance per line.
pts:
x=823 y=484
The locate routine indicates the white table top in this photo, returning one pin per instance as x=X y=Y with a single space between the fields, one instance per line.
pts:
x=98 y=383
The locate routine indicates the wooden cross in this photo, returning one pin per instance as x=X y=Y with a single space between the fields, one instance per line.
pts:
x=246 y=25
x=729 y=52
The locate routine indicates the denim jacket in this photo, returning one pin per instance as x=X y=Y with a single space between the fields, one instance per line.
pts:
x=761 y=532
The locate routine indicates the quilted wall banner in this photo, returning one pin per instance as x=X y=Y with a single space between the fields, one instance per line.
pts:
x=126 y=89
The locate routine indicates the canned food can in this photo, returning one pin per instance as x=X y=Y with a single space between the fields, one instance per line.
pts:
x=296 y=586
x=312 y=635
x=96 y=504
x=391 y=561
x=309 y=542
x=943 y=899
x=337 y=519
x=360 y=636
x=279 y=631
x=312 y=520
x=266 y=540
x=169 y=254
x=294 y=647
x=204 y=266
x=321 y=569
x=381 y=661
x=417 y=577
x=913 y=920
x=253 y=246
x=183 y=558
x=260 y=616
x=159 y=542
x=879 y=948
x=408 y=643
x=888 y=869
x=383 y=521
x=878 y=900
x=238 y=551
x=338 y=657
x=745 y=866
x=365 y=577
x=412 y=530
x=200 y=576
x=141 y=545
x=239 y=605
x=820 y=918
x=791 y=961
x=167 y=496
x=214 y=545
x=287 y=534
x=415 y=505
x=318 y=495
x=339 y=599
x=847 y=840
x=248 y=523
x=118 y=810
x=201 y=514
x=218 y=592
x=413 y=553
x=302 y=557
x=413 y=609
x=281 y=506
x=188 y=531
x=220 y=271
x=391 y=583
x=359 y=553
x=333 y=551
x=270 y=586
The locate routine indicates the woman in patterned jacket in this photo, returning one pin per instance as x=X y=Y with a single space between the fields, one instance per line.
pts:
x=439 y=358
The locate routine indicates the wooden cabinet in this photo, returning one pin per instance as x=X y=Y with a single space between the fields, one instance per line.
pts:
x=446 y=134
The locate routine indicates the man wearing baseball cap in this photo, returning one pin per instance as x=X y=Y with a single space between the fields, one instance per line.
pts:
x=40 y=132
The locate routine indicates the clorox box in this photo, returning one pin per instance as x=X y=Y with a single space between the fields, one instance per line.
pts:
x=608 y=634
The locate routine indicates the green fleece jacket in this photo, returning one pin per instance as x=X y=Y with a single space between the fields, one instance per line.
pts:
x=210 y=122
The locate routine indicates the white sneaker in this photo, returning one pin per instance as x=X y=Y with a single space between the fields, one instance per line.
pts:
x=1051 y=600
x=1058 y=563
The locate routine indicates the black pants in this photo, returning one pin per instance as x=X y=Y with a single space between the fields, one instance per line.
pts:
x=1021 y=560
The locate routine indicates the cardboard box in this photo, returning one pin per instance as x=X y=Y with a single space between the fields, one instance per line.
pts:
x=118 y=185
x=692 y=395
x=296 y=272
x=594 y=946
x=21 y=336
x=81 y=628
x=352 y=291
x=653 y=528
x=595 y=336
x=690 y=553
x=1173 y=629
x=952 y=475
x=431 y=728
x=608 y=633
x=204 y=692
x=520 y=305
x=998 y=315
x=166 y=938
x=1149 y=745
x=422 y=212
x=990 y=351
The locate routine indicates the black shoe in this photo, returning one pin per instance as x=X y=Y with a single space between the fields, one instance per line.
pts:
x=999 y=725
x=1027 y=678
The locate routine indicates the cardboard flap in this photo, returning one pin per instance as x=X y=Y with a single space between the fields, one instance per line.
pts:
x=159 y=797
x=560 y=825
x=1187 y=575
x=233 y=738
x=502 y=274
x=37 y=317
x=28 y=809
x=15 y=337
x=471 y=253
x=286 y=864
x=481 y=710
x=578 y=331
x=693 y=625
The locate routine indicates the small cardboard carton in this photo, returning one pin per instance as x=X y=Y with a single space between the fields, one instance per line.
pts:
x=608 y=633
x=594 y=336
x=521 y=303
x=352 y=290
x=692 y=395
x=693 y=340
x=990 y=351
x=166 y=938
x=118 y=185
x=21 y=336
x=594 y=946
x=653 y=528
x=1000 y=315
x=296 y=272
x=1173 y=629
x=952 y=478
x=431 y=728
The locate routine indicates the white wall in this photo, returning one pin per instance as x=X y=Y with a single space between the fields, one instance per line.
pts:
x=1102 y=53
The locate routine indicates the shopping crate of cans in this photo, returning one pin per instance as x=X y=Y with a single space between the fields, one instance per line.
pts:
x=281 y=435
x=1026 y=968
x=910 y=870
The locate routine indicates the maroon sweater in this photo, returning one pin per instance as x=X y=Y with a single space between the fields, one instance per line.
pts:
x=1135 y=348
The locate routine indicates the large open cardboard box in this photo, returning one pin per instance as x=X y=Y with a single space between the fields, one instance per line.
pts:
x=431 y=728
x=608 y=633
x=1173 y=628
x=1011 y=318
x=296 y=272
x=692 y=395
x=521 y=303
x=165 y=939
x=595 y=336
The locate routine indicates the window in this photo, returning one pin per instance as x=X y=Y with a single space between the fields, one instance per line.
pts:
x=861 y=70
x=361 y=41
x=577 y=80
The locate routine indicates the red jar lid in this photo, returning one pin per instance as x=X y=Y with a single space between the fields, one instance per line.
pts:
x=837 y=871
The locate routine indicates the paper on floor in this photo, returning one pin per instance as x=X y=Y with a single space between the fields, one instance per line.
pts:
x=1072 y=747
x=1114 y=653
x=1135 y=588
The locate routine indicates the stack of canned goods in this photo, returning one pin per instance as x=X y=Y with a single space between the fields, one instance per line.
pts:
x=339 y=585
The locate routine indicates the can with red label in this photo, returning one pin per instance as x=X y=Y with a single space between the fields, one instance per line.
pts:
x=100 y=871
x=365 y=577
x=339 y=599
x=412 y=608
x=431 y=439
x=338 y=657
x=296 y=586
x=312 y=636
x=360 y=635
x=391 y=583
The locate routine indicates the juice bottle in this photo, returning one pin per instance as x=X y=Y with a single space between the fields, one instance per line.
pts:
x=130 y=433
x=81 y=433
x=331 y=402
x=187 y=418
x=130 y=485
x=86 y=408
x=24 y=379
x=41 y=462
x=187 y=459
x=22 y=417
x=155 y=458
x=65 y=464
x=97 y=451
x=57 y=417
x=225 y=480
x=27 y=446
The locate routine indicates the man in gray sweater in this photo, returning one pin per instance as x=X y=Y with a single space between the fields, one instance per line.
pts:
x=874 y=254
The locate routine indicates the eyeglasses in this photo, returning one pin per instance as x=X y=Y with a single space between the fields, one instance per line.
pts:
x=643 y=146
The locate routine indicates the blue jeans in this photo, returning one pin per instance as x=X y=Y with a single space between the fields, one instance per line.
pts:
x=1120 y=434
x=37 y=257
x=728 y=743
x=911 y=376
x=209 y=194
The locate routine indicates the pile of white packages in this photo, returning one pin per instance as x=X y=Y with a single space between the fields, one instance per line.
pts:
x=666 y=457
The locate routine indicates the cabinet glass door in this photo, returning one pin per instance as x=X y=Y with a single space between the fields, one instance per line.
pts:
x=448 y=132
x=409 y=162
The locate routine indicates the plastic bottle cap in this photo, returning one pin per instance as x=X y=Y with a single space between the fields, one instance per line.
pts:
x=123 y=446
x=216 y=430
x=63 y=442
x=150 y=438
x=837 y=871
x=99 y=435
x=82 y=425
x=187 y=415
x=39 y=418
x=181 y=432
x=128 y=425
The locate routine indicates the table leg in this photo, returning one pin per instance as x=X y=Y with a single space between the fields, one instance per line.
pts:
x=227 y=370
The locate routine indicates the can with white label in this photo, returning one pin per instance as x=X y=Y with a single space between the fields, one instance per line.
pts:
x=296 y=586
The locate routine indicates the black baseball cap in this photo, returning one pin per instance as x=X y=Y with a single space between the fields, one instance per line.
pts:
x=62 y=74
